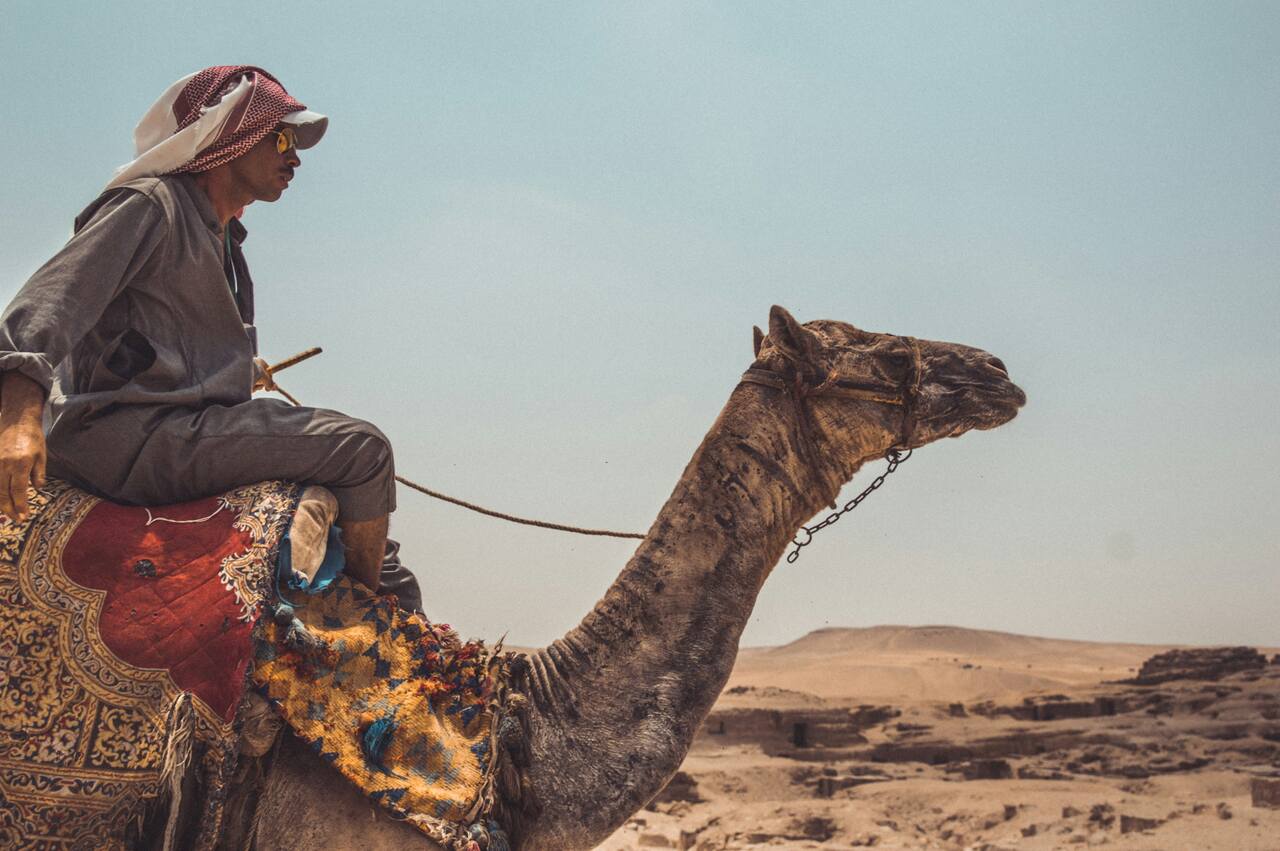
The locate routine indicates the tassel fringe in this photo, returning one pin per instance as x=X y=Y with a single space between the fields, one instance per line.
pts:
x=179 y=738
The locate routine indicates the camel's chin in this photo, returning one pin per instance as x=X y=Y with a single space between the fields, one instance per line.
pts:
x=1004 y=416
x=985 y=421
x=1002 y=408
x=988 y=426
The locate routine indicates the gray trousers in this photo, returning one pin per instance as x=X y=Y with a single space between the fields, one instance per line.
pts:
x=154 y=456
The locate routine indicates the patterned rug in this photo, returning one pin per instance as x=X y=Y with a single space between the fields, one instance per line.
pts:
x=128 y=637
x=399 y=706
x=125 y=639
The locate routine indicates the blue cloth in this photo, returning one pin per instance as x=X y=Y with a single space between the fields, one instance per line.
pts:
x=335 y=559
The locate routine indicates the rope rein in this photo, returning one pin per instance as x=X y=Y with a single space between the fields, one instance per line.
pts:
x=268 y=382
x=541 y=524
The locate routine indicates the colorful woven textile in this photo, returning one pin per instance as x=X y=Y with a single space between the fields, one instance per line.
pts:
x=125 y=639
x=399 y=706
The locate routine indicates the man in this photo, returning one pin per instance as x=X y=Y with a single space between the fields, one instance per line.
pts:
x=145 y=320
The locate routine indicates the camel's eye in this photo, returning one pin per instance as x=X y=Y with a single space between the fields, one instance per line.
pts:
x=898 y=363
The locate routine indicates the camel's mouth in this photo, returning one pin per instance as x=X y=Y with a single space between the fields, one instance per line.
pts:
x=982 y=387
x=1005 y=402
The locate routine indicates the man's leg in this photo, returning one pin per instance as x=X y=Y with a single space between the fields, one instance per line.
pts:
x=366 y=542
x=189 y=455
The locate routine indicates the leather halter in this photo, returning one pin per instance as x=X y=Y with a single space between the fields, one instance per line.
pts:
x=802 y=384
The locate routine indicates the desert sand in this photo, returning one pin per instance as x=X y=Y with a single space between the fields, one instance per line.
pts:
x=952 y=738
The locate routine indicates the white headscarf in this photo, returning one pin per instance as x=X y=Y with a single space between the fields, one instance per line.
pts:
x=163 y=146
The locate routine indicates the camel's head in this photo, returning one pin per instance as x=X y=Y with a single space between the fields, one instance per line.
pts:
x=875 y=391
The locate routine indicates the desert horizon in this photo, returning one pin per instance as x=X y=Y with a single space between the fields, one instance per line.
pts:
x=903 y=660
x=948 y=737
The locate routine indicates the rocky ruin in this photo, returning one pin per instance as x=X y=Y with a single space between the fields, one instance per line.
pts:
x=1202 y=663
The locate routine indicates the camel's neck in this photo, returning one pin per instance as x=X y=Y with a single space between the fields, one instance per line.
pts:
x=684 y=597
x=623 y=693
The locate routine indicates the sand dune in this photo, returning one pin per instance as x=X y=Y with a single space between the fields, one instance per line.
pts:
x=940 y=663
x=959 y=640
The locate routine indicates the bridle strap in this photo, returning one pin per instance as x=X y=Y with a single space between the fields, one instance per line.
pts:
x=804 y=386
x=769 y=378
x=911 y=391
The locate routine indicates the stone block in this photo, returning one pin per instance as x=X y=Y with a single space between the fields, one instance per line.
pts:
x=1133 y=824
x=987 y=769
x=1266 y=792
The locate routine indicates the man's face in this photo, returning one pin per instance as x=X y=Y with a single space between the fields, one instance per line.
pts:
x=264 y=172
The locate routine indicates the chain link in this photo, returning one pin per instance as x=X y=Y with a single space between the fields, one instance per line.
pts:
x=894 y=457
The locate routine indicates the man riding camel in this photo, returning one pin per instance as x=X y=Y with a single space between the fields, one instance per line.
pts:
x=138 y=338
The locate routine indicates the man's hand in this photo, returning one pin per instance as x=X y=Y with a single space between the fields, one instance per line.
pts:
x=22 y=446
x=262 y=379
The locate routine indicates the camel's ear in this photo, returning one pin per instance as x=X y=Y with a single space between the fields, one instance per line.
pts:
x=757 y=338
x=790 y=335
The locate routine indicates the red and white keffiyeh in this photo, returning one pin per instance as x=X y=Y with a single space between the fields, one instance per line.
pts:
x=211 y=117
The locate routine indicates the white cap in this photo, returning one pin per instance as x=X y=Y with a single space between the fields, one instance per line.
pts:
x=310 y=126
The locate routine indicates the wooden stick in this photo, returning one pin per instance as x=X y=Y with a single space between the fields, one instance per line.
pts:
x=298 y=358
x=286 y=394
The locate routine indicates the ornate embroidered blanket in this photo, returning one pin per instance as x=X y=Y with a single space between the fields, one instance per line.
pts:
x=128 y=637
x=125 y=638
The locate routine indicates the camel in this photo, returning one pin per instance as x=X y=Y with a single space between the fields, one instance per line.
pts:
x=616 y=701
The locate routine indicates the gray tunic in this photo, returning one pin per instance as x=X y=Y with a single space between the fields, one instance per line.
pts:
x=134 y=310
x=147 y=354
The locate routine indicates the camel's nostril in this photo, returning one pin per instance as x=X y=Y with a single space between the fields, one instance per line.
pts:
x=999 y=364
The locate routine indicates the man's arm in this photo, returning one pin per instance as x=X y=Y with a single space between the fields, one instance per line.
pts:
x=22 y=450
x=68 y=294
x=49 y=315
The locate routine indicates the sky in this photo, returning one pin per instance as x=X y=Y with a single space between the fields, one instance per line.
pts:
x=536 y=237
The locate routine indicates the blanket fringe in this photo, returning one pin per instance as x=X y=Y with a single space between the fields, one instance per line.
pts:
x=514 y=805
x=506 y=803
x=179 y=737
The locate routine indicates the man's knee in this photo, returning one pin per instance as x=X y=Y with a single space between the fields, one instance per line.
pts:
x=370 y=450
x=363 y=478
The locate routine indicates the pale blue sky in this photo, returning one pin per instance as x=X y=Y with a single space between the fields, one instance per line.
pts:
x=536 y=237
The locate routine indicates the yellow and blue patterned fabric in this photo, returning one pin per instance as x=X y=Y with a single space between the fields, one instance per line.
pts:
x=398 y=705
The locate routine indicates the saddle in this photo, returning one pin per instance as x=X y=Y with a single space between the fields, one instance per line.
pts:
x=147 y=654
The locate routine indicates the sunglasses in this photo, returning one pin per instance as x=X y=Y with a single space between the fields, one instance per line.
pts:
x=286 y=139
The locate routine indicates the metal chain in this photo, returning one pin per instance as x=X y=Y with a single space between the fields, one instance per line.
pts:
x=894 y=457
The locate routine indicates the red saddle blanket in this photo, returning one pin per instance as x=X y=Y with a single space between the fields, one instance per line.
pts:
x=124 y=633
